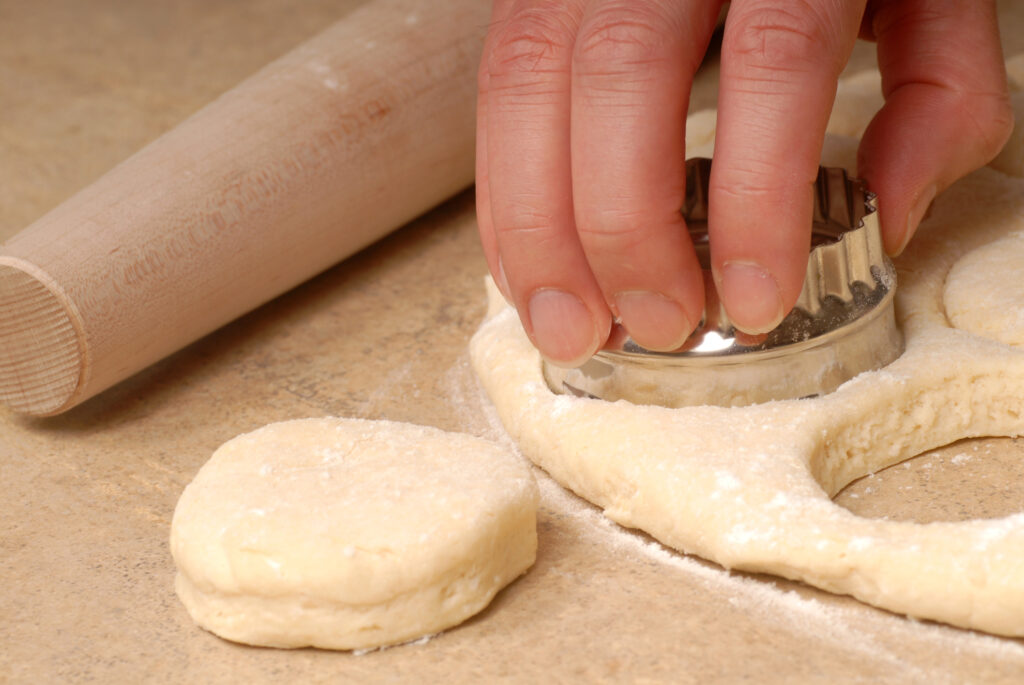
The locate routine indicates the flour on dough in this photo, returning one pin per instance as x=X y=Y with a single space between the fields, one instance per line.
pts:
x=984 y=291
x=751 y=487
x=350 y=534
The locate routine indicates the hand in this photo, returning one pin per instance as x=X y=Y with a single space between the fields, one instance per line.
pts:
x=580 y=149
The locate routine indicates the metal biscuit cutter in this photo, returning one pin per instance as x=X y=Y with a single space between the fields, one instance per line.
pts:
x=843 y=323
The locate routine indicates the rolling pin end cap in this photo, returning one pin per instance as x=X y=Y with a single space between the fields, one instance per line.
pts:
x=41 y=353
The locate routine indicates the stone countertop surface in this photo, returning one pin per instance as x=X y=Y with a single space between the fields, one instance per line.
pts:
x=87 y=592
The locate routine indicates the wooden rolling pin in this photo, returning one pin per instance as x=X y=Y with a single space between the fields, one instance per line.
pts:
x=320 y=153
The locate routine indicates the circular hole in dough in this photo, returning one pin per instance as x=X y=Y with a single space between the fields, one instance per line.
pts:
x=350 y=534
x=968 y=479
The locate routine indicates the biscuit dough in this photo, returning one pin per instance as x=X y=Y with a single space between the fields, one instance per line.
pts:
x=750 y=488
x=349 y=534
x=984 y=292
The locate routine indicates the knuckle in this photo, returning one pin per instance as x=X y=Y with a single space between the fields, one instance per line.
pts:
x=764 y=183
x=619 y=231
x=993 y=117
x=985 y=115
x=745 y=190
x=533 y=41
x=526 y=219
x=620 y=37
x=895 y=18
x=779 y=37
x=620 y=243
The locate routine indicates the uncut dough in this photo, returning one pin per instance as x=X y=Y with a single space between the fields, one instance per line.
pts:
x=751 y=487
x=350 y=534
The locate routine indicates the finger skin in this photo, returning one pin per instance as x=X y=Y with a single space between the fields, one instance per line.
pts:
x=947 y=111
x=633 y=67
x=529 y=180
x=485 y=227
x=780 y=66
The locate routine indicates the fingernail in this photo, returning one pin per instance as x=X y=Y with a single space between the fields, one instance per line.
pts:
x=922 y=206
x=563 y=328
x=751 y=297
x=653 y=320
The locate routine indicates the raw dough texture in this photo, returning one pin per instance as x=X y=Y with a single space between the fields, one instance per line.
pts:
x=751 y=487
x=348 y=534
x=984 y=292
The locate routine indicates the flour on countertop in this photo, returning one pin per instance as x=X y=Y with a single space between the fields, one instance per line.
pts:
x=852 y=627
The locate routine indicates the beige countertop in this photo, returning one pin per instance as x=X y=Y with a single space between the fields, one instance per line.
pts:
x=87 y=593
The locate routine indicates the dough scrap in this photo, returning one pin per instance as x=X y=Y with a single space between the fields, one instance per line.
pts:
x=750 y=487
x=350 y=534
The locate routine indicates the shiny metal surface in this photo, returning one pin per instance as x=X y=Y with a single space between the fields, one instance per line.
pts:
x=843 y=323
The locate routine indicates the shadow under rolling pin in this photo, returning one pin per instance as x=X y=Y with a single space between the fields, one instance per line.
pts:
x=320 y=153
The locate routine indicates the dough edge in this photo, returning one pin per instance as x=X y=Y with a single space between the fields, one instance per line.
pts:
x=295 y=621
x=761 y=501
x=487 y=558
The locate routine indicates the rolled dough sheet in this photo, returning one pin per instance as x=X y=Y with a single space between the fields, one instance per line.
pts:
x=350 y=534
x=750 y=488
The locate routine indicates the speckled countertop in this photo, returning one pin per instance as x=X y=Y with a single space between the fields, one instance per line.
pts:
x=86 y=591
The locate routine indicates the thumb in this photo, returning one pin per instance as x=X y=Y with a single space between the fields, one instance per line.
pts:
x=947 y=111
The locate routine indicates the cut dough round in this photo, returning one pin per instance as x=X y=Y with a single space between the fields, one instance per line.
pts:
x=984 y=292
x=349 y=534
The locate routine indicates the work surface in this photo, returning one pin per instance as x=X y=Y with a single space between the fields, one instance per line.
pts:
x=87 y=578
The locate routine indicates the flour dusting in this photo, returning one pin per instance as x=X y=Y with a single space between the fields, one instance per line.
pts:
x=874 y=634
x=411 y=643
x=846 y=625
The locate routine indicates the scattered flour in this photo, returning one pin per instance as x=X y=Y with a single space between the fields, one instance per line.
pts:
x=960 y=459
x=418 y=641
x=846 y=626
x=876 y=635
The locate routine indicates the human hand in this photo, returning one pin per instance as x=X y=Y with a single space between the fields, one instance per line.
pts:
x=580 y=149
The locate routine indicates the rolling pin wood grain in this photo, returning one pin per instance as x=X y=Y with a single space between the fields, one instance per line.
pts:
x=320 y=153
